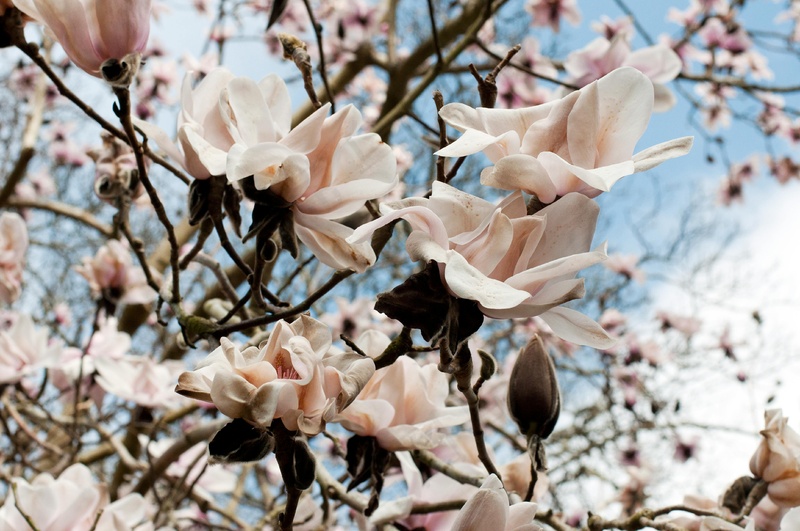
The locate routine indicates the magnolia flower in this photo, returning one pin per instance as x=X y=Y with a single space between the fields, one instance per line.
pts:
x=319 y=168
x=512 y=264
x=104 y=38
x=777 y=460
x=292 y=376
x=602 y=56
x=142 y=380
x=112 y=275
x=625 y=265
x=24 y=350
x=488 y=509
x=402 y=405
x=13 y=246
x=549 y=12
x=581 y=143
x=192 y=468
x=202 y=133
x=71 y=502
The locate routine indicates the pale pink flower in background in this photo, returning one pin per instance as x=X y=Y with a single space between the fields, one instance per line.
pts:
x=13 y=246
x=71 y=502
x=612 y=320
x=402 y=405
x=489 y=508
x=140 y=379
x=783 y=169
x=192 y=467
x=292 y=376
x=581 y=143
x=319 y=167
x=686 y=325
x=777 y=460
x=202 y=134
x=550 y=12
x=95 y=33
x=608 y=28
x=354 y=317
x=514 y=265
x=602 y=56
x=112 y=275
x=625 y=265
x=25 y=350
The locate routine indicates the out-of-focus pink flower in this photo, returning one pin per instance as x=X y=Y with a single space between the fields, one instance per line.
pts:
x=202 y=134
x=320 y=168
x=112 y=276
x=192 y=467
x=609 y=28
x=513 y=264
x=25 y=350
x=101 y=37
x=13 y=246
x=581 y=143
x=403 y=405
x=549 y=12
x=488 y=509
x=602 y=56
x=777 y=460
x=142 y=380
x=686 y=325
x=625 y=265
x=72 y=502
x=292 y=376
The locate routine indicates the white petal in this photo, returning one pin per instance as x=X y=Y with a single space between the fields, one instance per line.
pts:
x=466 y=282
x=577 y=328
x=655 y=155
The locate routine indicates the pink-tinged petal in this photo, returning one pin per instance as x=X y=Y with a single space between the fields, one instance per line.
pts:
x=550 y=295
x=199 y=153
x=67 y=19
x=575 y=327
x=520 y=172
x=231 y=394
x=271 y=401
x=262 y=159
x=486 y=250
x=194 y=385
x=473 y=141
x=664 y=98
x=550 y=133
x=408 y=437
x=340 y=125
x=659 y=63
x=165 y=143
x=569 y=229
x=367 y=417
x=123 y=25
x=460 y=212
x=422 y=247
x=290 y=180
x=201 y=106
x=521 y=516
x=315 y=332
x=582 y=128
x=245 y=113
x=560 y=268
x=328 y=241
x=486 y=509
x=363 y=168
x=276 y=96
x=653 y=156
x=465 y=281
x=494 y=122
x=626 y=102
x=420 y=218
x=306 y=136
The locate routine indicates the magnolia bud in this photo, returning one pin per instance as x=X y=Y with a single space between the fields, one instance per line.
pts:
x=534 y=400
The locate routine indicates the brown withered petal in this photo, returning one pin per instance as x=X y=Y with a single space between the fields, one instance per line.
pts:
x=534 y=399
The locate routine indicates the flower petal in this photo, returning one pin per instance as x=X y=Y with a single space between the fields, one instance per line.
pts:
x=575 y=327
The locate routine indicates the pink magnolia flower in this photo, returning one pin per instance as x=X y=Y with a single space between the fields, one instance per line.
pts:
x=104 y=38
x=581 y=143
x=13 y=246
x=402 y=405
x=25 y=350
x=112 y=275
x=549 y=12
x=292 y=376
x=71 y=502
x=139 y=379
x=320 y=168
x=513 y=264
x=686 y=325
x=602 y=56
x=489 y=509
x=625 y=265
x=777 y=460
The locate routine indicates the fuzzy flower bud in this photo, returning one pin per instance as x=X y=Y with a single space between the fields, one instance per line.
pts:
x=534 y=400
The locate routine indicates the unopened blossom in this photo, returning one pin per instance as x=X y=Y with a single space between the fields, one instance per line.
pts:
x=488 y=508
x=777 y=460
x=583 y=142
x=550 y=12
x=513 y=264
x=72 y=501
x=320 y=168
x=13 y=246
x=402 y=405
x=25 y=350
x=104 y=38
x=293 y=377
x=113 y=276
x=601 y=56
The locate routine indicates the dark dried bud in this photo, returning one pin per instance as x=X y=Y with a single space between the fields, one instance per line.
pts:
x=534 y=400
x=240 y=442
x=198 y=200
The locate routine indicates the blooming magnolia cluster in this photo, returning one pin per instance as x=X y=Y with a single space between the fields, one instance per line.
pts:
x=293 y=377
x=777 y=460
x=112 y=276
x=320 y=168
